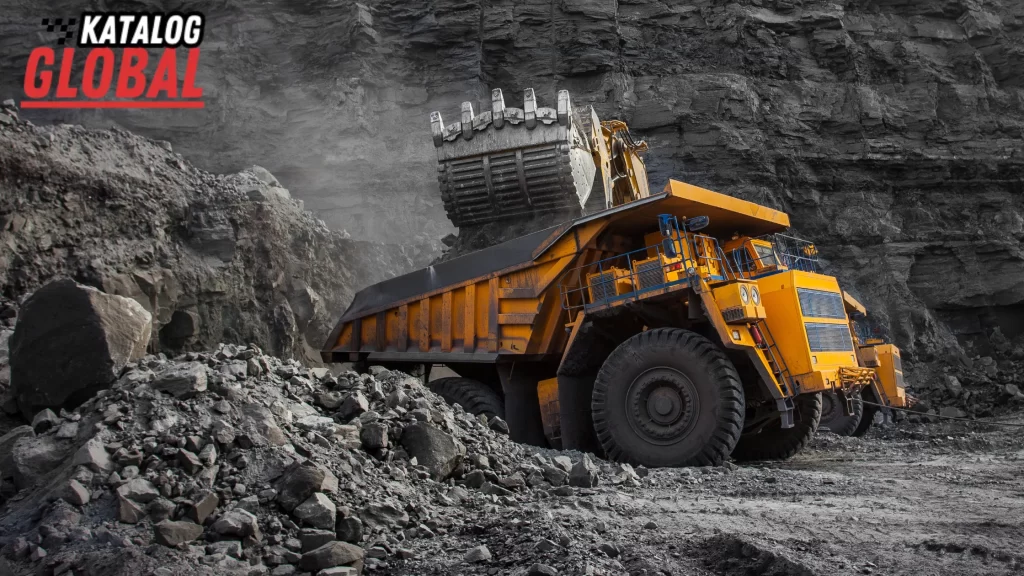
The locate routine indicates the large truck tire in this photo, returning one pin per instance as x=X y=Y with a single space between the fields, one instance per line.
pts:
x=866 y=420
x=668 y=397
x=474 y=397
x=776 y=443
x=833 y=418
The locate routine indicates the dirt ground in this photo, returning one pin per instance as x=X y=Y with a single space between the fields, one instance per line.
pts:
x=928 y=499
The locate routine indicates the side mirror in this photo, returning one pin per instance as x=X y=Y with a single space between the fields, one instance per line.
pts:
x=697 y=223
x=668 y=246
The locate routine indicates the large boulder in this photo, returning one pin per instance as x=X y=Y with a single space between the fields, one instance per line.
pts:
x=71 y=341
x=433 y=448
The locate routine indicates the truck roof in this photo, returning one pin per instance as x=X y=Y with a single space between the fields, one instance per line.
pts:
x=726 y=214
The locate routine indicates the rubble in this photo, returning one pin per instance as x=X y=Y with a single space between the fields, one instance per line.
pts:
x=256 y=467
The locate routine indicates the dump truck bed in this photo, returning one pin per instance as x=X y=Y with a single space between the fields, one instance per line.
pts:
x=505 y=299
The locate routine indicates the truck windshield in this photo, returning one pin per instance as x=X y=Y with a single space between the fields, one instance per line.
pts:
x=765 y=254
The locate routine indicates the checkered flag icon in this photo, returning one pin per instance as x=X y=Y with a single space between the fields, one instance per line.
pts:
x=67 y=28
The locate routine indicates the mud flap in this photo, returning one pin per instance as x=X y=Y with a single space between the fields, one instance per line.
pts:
x=522 y=407
x=577 y=422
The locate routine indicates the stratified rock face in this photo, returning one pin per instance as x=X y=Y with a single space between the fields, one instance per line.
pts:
x=71 y=341
x=889 y=129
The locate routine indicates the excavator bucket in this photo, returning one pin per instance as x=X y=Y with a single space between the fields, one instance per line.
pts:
x=511 y=163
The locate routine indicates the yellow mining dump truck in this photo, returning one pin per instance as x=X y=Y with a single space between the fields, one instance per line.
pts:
x=676 y=329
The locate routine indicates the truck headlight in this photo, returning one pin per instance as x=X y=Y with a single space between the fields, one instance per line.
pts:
x=755 y=295
x=744 y=294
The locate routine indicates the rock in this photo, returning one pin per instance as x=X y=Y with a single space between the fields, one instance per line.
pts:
x=338 y=571
x=563 y=462
x=189 y=461
x=44 y=420
x=161 y=509
x=249 y=503
x=610 y=550
x=260 y=427
x=93 y=334
x=202 y=507
x=349 y=529
x=330 y=400
x=68 y=431
x=223 y=433
x=181 y=380
x=138 y=490
x=312 y=539
x=374 y=436
x=7 y=442
x=432 y=448
x=953 y=385
x=494 y=489
x=475 y=479
x=171 y=533
x=33 y=458
x=76 y=493
x=385 y=515
x=330 y=555
x=584 y=474
x=317 y=511
x=545 y=545
x=477 y=555
x=498 y=425
x=651 y=525
x=297 y=485
x=238 y=523
x=952 y=412
x=555 y=475
x=232 y=548
x=541 y=570
x=129 y=512
x=353 y=406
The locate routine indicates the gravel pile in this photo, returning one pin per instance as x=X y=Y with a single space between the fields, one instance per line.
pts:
x=235 y=462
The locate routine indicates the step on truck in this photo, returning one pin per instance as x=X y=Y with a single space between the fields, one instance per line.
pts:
x=678 y=328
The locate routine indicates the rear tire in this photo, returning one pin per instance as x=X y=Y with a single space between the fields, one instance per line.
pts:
x=668 y=397
x=776 y=443
x=832 y=416
x=866 y=421
x=475 y=397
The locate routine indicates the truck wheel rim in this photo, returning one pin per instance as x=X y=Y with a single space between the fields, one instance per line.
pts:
x=663 y=405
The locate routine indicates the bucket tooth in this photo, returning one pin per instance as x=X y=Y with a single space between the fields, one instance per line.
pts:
x=438 y=129
x=497 y=108
x=530 y=108
x=564 y=107
x=467 y=120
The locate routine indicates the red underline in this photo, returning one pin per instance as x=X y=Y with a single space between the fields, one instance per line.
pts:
x=111 y=104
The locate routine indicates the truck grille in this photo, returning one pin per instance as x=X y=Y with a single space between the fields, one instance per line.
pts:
x=650 y=274
x=820 y=304
x=602 y=286
x=899 y=380
x=828 y=337
x=897 y=364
